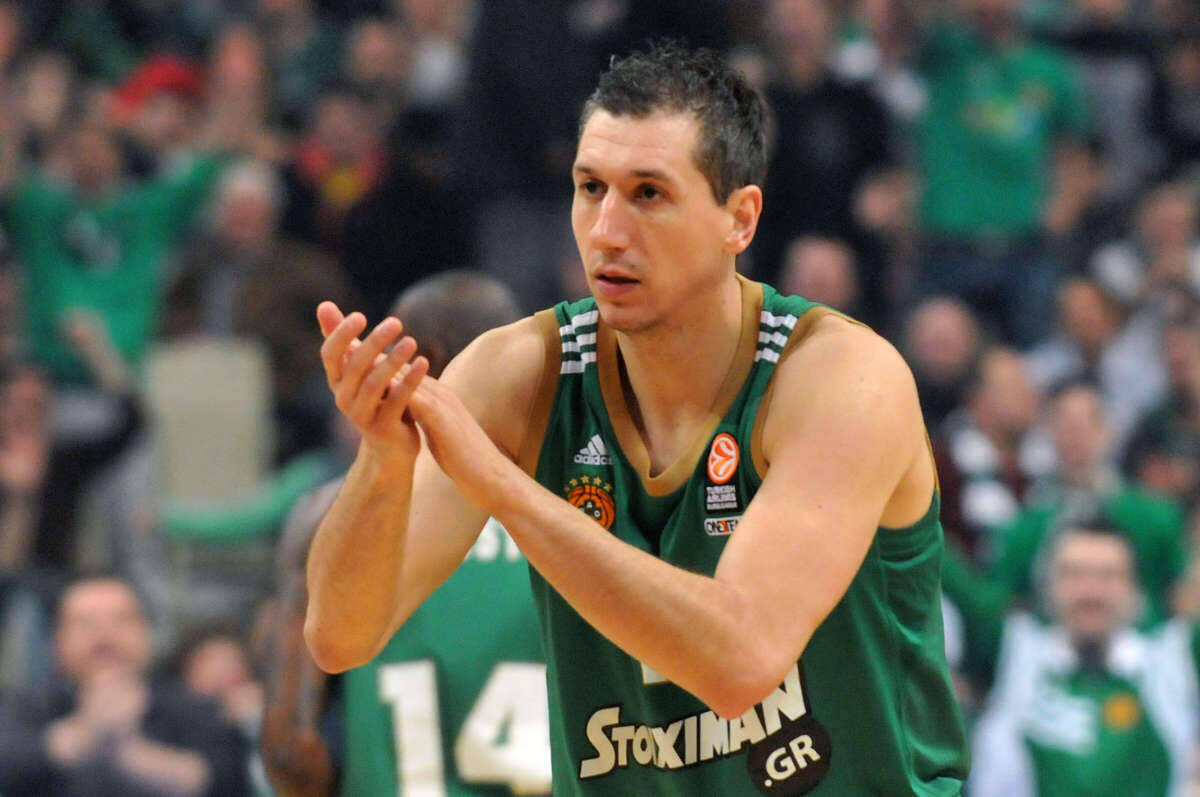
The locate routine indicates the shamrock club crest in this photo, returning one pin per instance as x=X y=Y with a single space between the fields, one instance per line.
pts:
x=593 y=495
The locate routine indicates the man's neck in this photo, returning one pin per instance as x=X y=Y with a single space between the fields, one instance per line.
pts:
x=673 y=373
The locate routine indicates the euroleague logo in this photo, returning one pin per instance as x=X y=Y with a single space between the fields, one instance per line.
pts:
x=594 y=496
x=723 y=458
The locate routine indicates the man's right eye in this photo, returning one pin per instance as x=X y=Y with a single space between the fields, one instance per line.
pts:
x=592 y=187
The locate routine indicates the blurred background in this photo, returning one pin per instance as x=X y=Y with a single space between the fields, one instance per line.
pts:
x=1005 y=189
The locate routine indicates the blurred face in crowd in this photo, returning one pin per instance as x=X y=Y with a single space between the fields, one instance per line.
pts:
x=237 y=60
x=45 y=88
x=101 y=627
x=802 y=26
x=1087 y=316
x=1167 y=218
x=428 y=17
x=880 y=16
x=941 y=339
x=95 y=161
x=1005 y=396
x=1183 y=64
x=10 y=32
x=216 y=666
x=377 y=58
x=1080 y=433
x=247 y=210
x=1092 y=586
x=165 y=120
x=25 y=400
x=650 y=233
x=1181 y=347
x=821 y=269
x=343 y=126
x=1105 y=10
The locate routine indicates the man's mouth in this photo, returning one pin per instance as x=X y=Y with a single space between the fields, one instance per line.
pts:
x=616 y=279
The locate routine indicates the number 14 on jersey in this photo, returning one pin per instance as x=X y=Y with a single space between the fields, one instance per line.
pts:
x=505 y=738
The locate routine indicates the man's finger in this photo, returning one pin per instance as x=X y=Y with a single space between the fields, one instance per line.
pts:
x=328 y=316
x=356 y=365
x=359 y=360
x=336 y=344
x=400 y=390
x=378 y=380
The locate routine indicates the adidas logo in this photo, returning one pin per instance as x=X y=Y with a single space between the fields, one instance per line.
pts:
x=594 y=453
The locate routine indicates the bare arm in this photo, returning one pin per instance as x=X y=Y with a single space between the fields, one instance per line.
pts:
x=400 y=526
x=175 y=770
x=294 y=755
x=848 y=448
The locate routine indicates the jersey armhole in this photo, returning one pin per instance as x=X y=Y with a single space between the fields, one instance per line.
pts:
x=543 y=398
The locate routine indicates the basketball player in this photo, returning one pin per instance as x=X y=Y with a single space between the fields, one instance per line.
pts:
x=749 y=600
x=454 y=704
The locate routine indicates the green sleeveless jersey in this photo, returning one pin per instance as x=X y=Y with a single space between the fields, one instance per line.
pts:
x=456 y=703
x=868 y=709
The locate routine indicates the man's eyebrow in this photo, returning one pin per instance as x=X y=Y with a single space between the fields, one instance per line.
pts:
x=651 y=174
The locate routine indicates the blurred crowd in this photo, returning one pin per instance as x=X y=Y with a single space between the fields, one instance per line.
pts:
x=1006 y=189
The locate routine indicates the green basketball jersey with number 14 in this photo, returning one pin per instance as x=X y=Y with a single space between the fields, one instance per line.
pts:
x=456 y=703
x=868 y=709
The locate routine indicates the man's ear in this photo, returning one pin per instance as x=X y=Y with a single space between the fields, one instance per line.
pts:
x=744 y=206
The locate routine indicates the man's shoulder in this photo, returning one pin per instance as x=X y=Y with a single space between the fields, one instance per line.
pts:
x=833 y=364
x=835 y=345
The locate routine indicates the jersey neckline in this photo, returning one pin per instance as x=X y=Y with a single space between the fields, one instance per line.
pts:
x=630 y=440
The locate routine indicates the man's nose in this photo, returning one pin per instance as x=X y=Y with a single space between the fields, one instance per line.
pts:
x=611 y=228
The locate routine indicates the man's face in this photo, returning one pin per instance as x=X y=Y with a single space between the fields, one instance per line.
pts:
x=101 y=628
x=1092 y=584
x=941 y=339
x=246 y=219
x=1181 y=348
x=650 y=233
x=1080 y=431
x=96 y=161
x=802 y=24
x=1008 y=392
x=1086 y=316
x=821 y=270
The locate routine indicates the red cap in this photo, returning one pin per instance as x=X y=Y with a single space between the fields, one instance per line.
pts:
x=158 y=73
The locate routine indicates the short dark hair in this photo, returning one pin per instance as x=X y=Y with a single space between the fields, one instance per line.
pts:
x=731 y=150
x=447 y=311
x=1088 y=524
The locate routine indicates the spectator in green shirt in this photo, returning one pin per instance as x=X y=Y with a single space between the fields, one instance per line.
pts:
x=1085 y=486
x=1086 y=703
x=999 y=108
x=87 y=241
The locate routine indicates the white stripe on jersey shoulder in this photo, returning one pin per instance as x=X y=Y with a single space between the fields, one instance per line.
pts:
x=772 y=337
x=585 y=319
x=772 y=320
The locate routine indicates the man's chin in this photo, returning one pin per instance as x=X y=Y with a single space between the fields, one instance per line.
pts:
x=627 y=320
